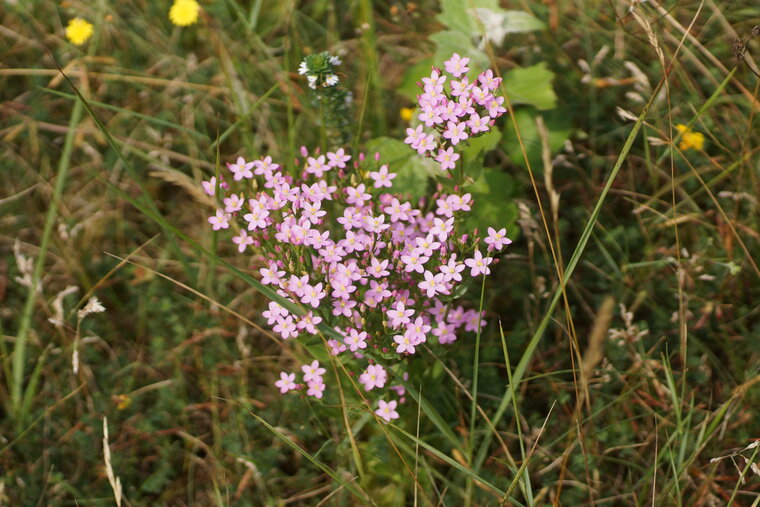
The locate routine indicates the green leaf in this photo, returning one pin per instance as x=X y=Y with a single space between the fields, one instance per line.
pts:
x=412 y=171
x=412 y=76
x=531 y=85
x=557 y=124
x=456 y=14
x=493 y=206
x=449 y=42
x=392 y=151
x=498 y=23
x=482 y=144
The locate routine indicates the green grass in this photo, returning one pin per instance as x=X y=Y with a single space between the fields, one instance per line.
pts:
x=101 y=173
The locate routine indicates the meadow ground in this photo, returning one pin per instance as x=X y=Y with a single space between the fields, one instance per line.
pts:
x=620 y=362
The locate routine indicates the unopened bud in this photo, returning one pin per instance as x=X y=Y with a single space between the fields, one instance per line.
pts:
x=377 y=156
x=304 y=151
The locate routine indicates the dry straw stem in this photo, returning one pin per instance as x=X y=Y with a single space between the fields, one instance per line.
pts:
x=595 y=351
x=112 y=479
x=707 y=54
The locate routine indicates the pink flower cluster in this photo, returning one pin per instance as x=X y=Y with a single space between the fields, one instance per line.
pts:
x=466 y=110
x=355 y=258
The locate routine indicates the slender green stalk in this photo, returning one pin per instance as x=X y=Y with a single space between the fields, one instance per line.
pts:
x=527 y=356
x=19 y=348
x=474 y=403
x=747 y=468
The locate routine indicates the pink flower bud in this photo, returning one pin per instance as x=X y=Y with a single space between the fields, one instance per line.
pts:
x=361 y=157
x=377 y=156
x=304 y=151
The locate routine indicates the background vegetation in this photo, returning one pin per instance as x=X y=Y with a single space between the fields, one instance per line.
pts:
x=636 y=382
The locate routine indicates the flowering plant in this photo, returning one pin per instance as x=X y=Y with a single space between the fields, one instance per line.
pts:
x=465 y=111
x=357 y=262
x=331 y=100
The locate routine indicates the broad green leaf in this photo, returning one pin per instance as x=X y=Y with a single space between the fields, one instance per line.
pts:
x=482 y=144
x=412 y=171
x=531 y=85
x=557 y=124
x=457 y=14
x=499 y=23
x=412 y=177
x=412 y=76
x=493 y=193
x=449 y=42
x=392 y=151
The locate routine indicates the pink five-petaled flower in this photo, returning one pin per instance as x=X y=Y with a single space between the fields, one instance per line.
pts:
x=242 y=240
x=387 y=410
x=286 y=382
x=497 y=240
x=271 y=275
x=433 y=284
x=414 y=261
x=441 y=228
x=426 y=143
x=357 y=195
x=286 y=327
x=336 y=347
x=312 y=295
x=257 y=218
x=378 y=269
x=413 y=136
x=241 y=169
x=444 y=332
x=478 y=264
x=454 y=132
x=456 y=65
x=478 y=123
x=233 y=203
x=265 y=167
x=317 y=166
x=312 y=372
x=356 y=340
x=400 y=315
x=220 y=221
x=416 y=331
x=309 y=322
x=373 y=376
x=316 y=388
x=404 y=344
x=382 y=177
x=343 y=307
x=209 y=186
x=488 y=81
x=452 y=269
x=447 y=158
x=434 y=80
x=338 y=159
x=460 y=88
x=275 y=311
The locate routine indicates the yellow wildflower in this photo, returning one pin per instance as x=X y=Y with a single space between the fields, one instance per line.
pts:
x=184 y=12
x=406 y=113
x=78 y=31
x=690 y=139
x=122 y=401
